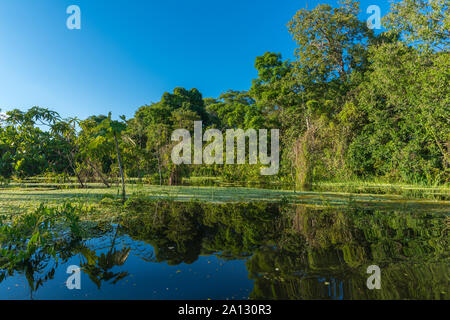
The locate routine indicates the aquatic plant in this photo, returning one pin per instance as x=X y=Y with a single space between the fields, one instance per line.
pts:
x=29 y=241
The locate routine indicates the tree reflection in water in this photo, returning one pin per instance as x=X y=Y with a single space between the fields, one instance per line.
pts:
x=98 y=266
x=290 y=251
x=301 y=252
x=35 y=244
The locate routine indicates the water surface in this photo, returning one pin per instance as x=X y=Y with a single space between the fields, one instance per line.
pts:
x=175 y=250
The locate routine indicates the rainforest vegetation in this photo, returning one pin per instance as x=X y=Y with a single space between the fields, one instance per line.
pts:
x=354 y=104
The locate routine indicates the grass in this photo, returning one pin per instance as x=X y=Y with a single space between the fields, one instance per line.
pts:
x=408 y=191
x=17 y=198
x=372 y=186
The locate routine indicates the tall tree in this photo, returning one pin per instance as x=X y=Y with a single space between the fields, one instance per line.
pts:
x=424 y=24
x=331 y=41
x=113 y=130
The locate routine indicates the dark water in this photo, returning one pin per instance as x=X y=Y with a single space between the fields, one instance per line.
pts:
x=172 y=250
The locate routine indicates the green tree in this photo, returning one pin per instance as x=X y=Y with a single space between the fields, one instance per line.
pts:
x=424 y=24
x=331 y=41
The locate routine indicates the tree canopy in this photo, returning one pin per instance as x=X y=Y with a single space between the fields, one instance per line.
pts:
x=351 y=105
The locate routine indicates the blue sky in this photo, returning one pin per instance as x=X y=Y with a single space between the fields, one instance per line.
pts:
x=129 y=52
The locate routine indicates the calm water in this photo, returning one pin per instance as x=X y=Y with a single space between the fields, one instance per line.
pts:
x=244 y=251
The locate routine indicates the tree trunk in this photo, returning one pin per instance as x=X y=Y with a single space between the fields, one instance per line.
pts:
x=73 y=168
x=79 y=178
x=159 y=170
x=119 y=159
x=98 y=172
x=174 y=178
x=76 y=171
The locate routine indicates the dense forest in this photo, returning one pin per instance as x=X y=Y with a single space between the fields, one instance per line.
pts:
x=353 y=105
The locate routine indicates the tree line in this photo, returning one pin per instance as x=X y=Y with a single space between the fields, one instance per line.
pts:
x=353 y=104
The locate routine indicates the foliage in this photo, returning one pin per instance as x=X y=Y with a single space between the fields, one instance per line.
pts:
x=352 y=105
x=288 y=248
x=30 y=239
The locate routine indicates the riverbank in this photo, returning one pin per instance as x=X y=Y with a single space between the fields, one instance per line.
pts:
x=19 y=197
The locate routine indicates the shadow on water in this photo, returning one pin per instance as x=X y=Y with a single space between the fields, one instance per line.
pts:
x=196 y=250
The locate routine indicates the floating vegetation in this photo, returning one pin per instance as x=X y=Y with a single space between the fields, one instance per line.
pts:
x=272 y=250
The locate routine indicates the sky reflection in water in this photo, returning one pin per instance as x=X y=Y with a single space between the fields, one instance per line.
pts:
x=239 y=253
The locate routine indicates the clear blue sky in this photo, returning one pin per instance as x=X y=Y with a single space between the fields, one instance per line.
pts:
x=129 y=52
